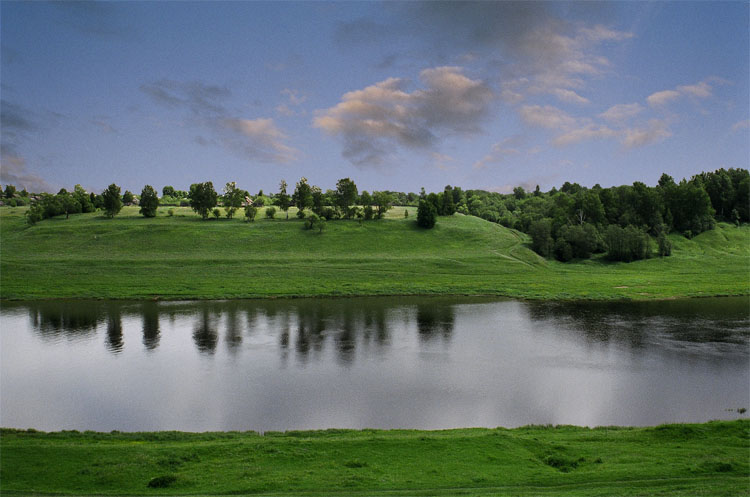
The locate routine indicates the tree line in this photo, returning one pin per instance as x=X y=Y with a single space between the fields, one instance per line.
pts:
x=573 y=222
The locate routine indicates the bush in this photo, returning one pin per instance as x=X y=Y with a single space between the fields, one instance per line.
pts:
x=368 y=212
x=184 y=203
x=329 y=213
x=665 y=246
x=170 y=212
x=426 y=214
x=162 y=481
x=406 y=214
x=217 y=213
x=270 y=212
x=34 y=214
x=250 y=212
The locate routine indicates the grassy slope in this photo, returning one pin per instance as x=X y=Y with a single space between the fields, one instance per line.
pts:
x=703 y=459
x=185 y=257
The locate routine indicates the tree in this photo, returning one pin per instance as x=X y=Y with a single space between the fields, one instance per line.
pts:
x=10 y=191
x=149 y=201
x=69 y=204
x=382 y=202
x=111 y=200
x=426 y=214
x=345 y=195
x=282 y=198
x=302 y=197
x=541 y=237
x=449 y=205
x=127 y=197
x=203 y=198
x=232 y=198
x=250 y=212
x=365 y=199
x=168 y=191
x=83 y=198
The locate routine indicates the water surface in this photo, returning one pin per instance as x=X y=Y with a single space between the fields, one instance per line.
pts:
x=426 y=363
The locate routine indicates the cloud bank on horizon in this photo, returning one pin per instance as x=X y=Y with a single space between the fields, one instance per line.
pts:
x=397 y=95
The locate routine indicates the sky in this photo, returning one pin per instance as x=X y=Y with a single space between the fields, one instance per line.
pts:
x=394 y=95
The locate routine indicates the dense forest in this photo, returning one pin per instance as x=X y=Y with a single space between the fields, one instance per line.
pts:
x=573 y=222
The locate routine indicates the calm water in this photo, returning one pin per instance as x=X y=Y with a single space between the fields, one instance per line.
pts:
x=382 y=363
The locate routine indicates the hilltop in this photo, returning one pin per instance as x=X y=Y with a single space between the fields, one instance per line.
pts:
x=184 y=257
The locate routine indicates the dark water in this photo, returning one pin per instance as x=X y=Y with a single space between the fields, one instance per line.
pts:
x=382 y=363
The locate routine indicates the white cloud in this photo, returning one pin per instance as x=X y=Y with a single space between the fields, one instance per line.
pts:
x=662 y=97
x=569 y=96
x=370 y=121
x=656 y=131
x=546 y=117
x=621 y=112
x=698 y=90
x=587 y=132
x=258 y=139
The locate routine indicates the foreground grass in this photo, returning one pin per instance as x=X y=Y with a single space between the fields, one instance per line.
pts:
x=183 y=257
x=697 y=459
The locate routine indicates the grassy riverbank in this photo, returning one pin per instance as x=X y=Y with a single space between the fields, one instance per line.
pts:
x=698 y=459
x=183 y=257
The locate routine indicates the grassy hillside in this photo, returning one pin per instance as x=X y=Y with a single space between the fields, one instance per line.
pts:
x=702 y=459
x=88 y=256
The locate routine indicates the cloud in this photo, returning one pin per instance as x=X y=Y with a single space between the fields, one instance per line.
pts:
x=252 y=139
x=569 y=96
x=740 y=125
x=546 y=117
x=294 y=99
x=698 y=90
x=499 y=152
x=656 y=131
x=621 y=112
x=258 y=139
x=587 y=132
x=202 y=99
x=13 y=171
x=372 y=120
x=662 y=97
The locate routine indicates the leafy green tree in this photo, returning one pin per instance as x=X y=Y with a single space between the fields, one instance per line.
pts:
x=168 y=191
x=203 y=198
x=283 y=200
x=382 y=202
x=270 y=212
x=541 y=237
x=127 y=197
x=426 y=214
x=232 y=198
x=448 y=202
x=345 y=196
x=365 y=199
x=149 y=201
x=83 y=198
x=627 y=244
x=302 y=197
x=10 y=191
x=250 y=212
x=34 y=214
x=111 y=200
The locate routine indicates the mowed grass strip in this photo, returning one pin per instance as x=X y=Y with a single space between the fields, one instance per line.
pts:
x=184 y=257
x=695 y=459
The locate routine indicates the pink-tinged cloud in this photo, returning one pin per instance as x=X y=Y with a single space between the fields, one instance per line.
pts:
x=373 y=120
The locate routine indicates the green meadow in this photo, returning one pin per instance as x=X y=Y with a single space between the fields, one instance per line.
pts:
x=670 y=460
x=184 y=257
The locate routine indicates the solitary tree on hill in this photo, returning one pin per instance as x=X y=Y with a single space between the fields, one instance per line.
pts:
x=203 y=198
x=149 y=201
x=111 y=200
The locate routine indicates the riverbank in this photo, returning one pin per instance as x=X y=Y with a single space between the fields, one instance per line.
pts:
x=688 y=459
x=183 y=257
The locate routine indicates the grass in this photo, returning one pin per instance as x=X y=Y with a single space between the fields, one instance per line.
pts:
x=698 y=459
x=183 y=257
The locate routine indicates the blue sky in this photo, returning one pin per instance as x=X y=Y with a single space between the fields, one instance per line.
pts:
x=394 y=95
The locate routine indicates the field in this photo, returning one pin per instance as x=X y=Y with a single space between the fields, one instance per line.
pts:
x=695 y=460
x=184 y=257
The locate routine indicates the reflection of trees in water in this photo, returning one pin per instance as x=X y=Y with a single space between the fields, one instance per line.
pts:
x=233 y=332
x=690 y=322
x=55 y=320
x=114 y=329
x=435 y=320
x=204 y=334
x=150 y=316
